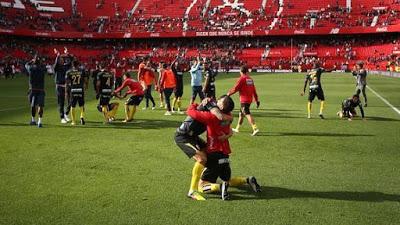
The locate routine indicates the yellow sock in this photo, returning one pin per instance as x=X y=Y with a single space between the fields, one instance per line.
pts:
x=309 y=104
x=174 y=103
x=104 y=109
x=237 y=181
x=73 y=114
x=210 y=188
x=321 y=107
x=82 y=111
x=196 y=174
x=127 y=112
x=179 y=103
x=113 y=112
x=254 y=126
x=132 y=111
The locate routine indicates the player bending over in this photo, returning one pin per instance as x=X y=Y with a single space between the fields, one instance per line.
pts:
x=105 y=80
x=349 y=108
x=218 y=151
x=36 y=70
x=112 y=110
x=137 y=95
x=247 y=91
x=76 y=84
x=315 y=88
x=187 y=138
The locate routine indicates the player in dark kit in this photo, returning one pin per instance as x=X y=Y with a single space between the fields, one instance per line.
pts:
x=349 y=108
x=361 y=74
x=76 y=82
x=105 y=81
x=177 y=69
x=36 y=70
x=315 y=88
x=61 y=66
x=209 y=84
x=188 y=140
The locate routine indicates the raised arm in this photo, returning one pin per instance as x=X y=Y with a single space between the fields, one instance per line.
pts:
x=202 y=117
x=236 y=88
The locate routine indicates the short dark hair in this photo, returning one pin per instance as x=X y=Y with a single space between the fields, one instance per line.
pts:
x=244 y=69
x=360 y=63
x=356 y=96
x=75 y=63
x=127 y=75
x=229 y=104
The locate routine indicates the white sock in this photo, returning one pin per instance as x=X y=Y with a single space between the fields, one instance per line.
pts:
x=33 y=119
x=40 y=120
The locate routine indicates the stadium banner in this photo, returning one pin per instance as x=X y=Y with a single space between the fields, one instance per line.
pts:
x=385 y=73
x=134 y=35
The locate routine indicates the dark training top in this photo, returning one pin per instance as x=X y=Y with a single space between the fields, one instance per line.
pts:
x=350 y=105
x=60 y=70
x=106 y=81
x=76 y=80
x=192 y=127
x=211 y=74
x=178 y=72
x=314 y=77
x=36 y=76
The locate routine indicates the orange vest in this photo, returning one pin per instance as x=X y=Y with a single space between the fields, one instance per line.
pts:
x=169 y=79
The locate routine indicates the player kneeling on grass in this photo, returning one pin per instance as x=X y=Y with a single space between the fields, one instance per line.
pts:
x=36 y=70
x=137 y=95
x=218 y=150
x=188 y=140
x=349 y=108
x=76 y=84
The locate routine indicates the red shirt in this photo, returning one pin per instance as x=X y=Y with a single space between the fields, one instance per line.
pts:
x=141 y=71
x=215 y=128
x=168 y=79
x=135 y=88
x=149 y=78
x=245 y=87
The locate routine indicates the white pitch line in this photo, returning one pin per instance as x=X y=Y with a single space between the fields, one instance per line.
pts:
x=384 y=100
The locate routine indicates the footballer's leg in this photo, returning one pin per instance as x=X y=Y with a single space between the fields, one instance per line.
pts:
x=31 y=99
x=365 y=95
x=240 y=181
x=247 y=113
x=73 y=110
x=240 y=122
x=114 y=108
x=321 y=97
x=82 y=109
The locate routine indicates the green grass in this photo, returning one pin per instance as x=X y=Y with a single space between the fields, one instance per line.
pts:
x=312 y=171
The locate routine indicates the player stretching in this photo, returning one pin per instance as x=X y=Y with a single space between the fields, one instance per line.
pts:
x=177 y=68
x=349 y=108
x=209 y=83
x=361 y=75
x=61 y=66
x=315 y=88
x=76 y=83
x=168 y=84
x=187 y=138
x=137 y=95
x=36 y=70
x=218 y=151
x=105 y=80
x=195 y=73
x=247 y=91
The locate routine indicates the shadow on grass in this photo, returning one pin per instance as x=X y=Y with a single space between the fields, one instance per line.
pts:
x=312 y=134
x=270 y=193
x=376 y=118
x=136 y=124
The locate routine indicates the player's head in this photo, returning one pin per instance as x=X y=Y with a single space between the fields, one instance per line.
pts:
x=355 y=98
x=165 y=66
x=359 y=65
x=244 y=69
x=102 y=65
x=126 y=76
x=226 y=104
x=146 y=59
x=316 y=64
x=75 y=64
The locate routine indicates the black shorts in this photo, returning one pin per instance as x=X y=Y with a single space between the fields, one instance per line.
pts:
x=134 y=100
x=105 y=100
x=245 y=108
x=217 y=166
x=197 y=90
x=190 y=144
x=77 y=98
x=317 y=92
x=179 y=89
x=36 y=98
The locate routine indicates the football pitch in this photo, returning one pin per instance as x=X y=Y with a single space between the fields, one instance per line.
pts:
x=312 y=171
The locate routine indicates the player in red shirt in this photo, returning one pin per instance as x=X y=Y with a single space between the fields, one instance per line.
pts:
x=168 y=84
x=218 y=150
x=136 y=92
x=247 y=91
